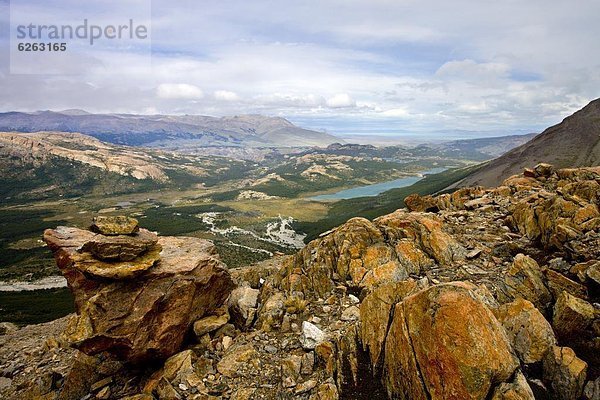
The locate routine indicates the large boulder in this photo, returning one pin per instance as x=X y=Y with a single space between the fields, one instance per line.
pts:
x=564 y=373
x=572 y=316
x=143 y=308
x=375 y=314
x=529 y=332
x=524 y=279
x=444 y=343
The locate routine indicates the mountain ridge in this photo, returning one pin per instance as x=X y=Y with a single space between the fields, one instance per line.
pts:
x=157 y=130
x=575 y=142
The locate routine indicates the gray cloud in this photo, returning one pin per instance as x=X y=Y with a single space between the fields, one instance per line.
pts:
x=435 y=65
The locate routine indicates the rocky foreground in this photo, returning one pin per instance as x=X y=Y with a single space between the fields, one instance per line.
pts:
x=478 y=294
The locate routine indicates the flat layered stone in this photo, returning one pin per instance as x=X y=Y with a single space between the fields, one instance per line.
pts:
x=69 y=245
x=121 y=247
x=117 y=225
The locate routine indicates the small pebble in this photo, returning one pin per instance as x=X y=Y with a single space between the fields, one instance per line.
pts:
x=270 y=349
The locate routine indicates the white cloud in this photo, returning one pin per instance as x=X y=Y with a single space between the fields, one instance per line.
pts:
x=226 y=95
x=470 y=70
x=341 y=100
x=368 y=33
x=179 y=91
x=291 y=100
x=396 y=112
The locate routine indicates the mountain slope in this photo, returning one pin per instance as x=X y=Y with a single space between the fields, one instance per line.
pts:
x=575 y=142
x=161 y=130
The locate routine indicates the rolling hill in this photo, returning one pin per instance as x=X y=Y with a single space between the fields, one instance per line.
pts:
x=50 y=164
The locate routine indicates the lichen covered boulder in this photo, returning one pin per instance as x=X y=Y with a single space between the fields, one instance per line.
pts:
x=524 y=279
x=444 y=343
x=571 y=316
x=529 y=332
x=564 y=373
x=365 y=254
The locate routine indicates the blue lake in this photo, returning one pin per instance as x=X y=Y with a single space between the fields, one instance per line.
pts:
x=377 y=188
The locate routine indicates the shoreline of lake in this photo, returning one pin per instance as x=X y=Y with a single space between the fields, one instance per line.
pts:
x=376 y=188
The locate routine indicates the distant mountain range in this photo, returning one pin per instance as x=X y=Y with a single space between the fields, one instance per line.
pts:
x=479 y=149
x=575 y=142
x=169 y=130
x=489 y=146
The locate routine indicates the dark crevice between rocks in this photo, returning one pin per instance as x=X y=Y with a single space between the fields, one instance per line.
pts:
x=495 y=385
x=356 y=291
x=540 y=392
x=534 y=370
x=378 y=368
x=367 y=385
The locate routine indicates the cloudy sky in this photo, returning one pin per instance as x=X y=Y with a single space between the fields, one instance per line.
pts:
x=346 y=66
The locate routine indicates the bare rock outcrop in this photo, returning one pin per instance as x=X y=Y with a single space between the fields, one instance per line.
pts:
x=417 y=203
x=364 y=254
